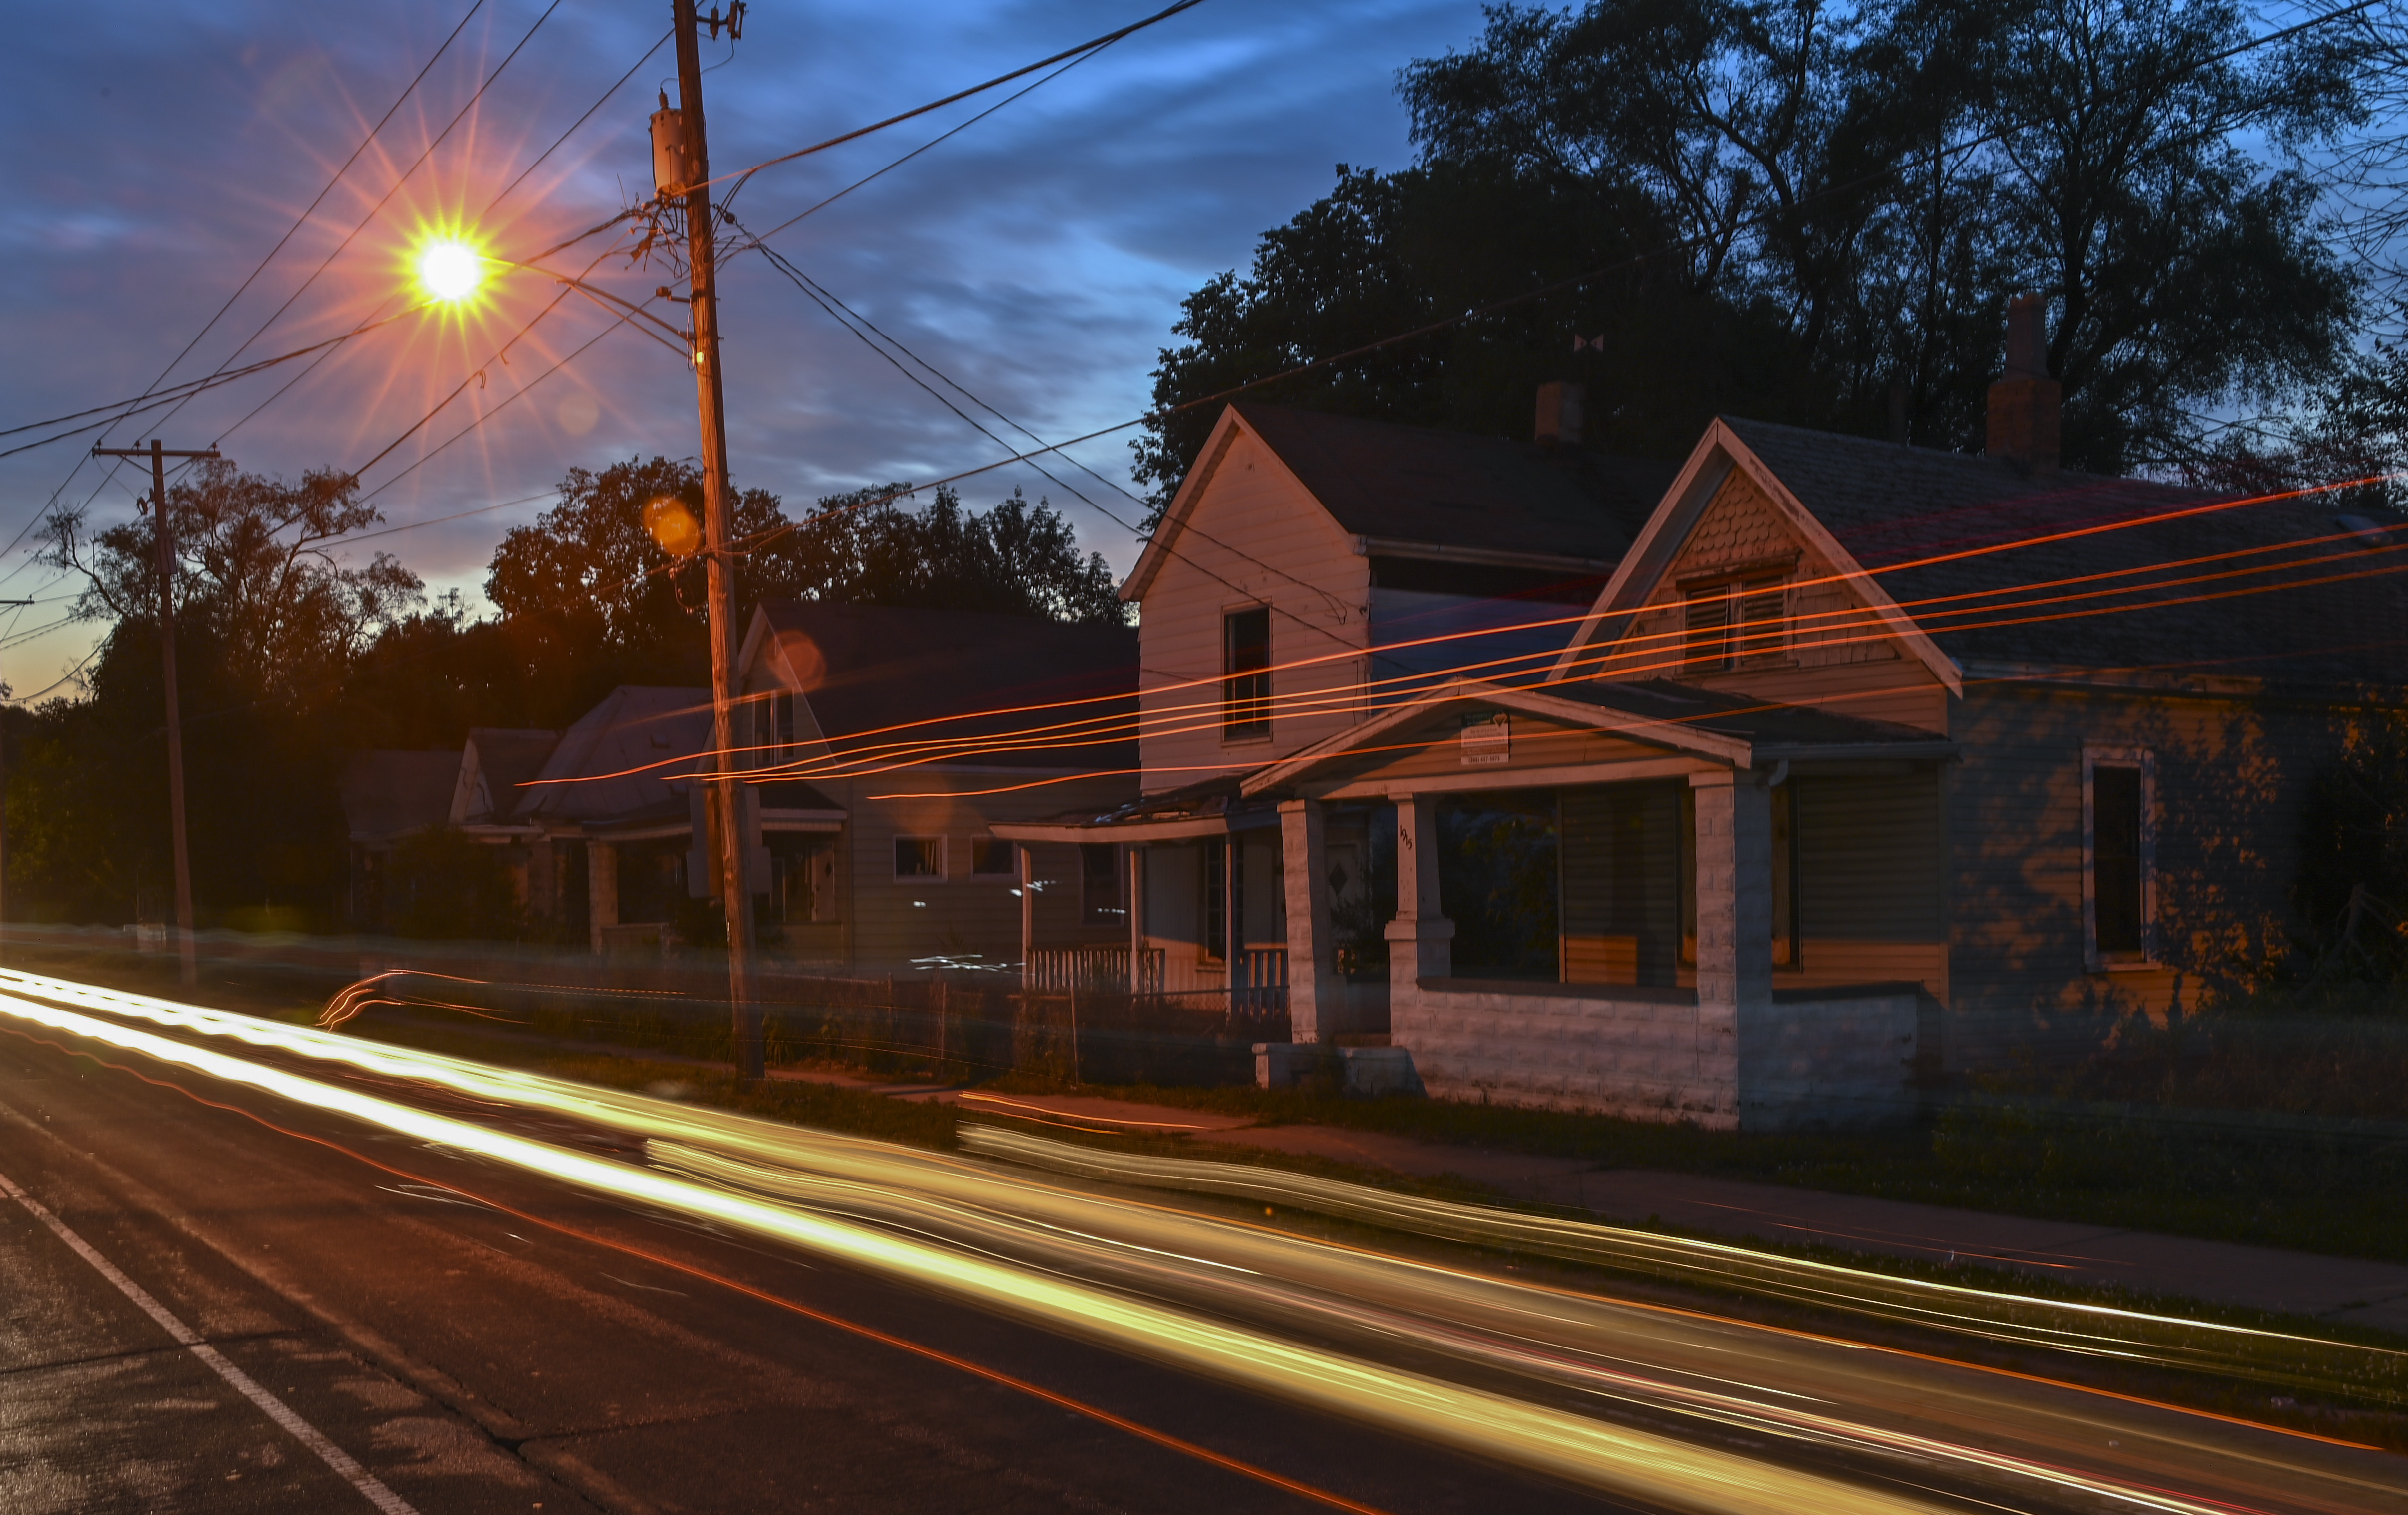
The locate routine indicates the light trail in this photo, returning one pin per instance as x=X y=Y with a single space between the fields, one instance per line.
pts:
x=1576 y=1343
x=2306 y=1362
x=1615 y=1460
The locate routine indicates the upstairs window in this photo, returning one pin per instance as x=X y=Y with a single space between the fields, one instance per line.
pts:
x=1707 y=622
x=1246 y=674
x=2119 y=856
x=773 y=728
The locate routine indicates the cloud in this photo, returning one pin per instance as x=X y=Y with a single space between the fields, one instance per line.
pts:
x=1038 y=258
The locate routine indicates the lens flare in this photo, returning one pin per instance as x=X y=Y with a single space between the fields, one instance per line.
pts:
x=450 y=269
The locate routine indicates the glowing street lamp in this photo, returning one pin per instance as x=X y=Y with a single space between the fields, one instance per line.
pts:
x=451 y=270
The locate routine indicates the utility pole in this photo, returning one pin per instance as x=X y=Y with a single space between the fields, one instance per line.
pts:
x=727 y=813
x=165 y=531
x=4 y=789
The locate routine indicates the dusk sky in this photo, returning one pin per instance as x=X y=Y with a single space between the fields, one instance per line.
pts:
x=1037 y=258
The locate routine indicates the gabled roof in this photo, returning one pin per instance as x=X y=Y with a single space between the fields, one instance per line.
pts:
x=1718 y=726
x=388 y=793
x=625 y=759
x=878 y=675
x=493 y=766
x=1407 y=487
x=2297 y=597
x=1995 y=563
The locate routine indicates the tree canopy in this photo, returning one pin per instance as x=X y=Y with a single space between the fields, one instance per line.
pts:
x=1790 y=209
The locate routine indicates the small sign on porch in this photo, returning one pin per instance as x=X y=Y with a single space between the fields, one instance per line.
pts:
x=1487 y=740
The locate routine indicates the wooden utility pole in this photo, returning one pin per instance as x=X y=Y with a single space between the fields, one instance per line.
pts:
x=163 y=529
x=728 y=812
x=4 y=787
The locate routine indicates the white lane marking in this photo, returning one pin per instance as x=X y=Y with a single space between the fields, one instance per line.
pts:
x=368 y=1483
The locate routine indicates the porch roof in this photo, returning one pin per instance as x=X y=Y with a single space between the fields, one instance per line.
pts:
x=1209 y=807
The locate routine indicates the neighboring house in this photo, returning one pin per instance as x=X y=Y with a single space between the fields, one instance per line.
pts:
x=888 y=744
x=1866 y=759
x=389 y=795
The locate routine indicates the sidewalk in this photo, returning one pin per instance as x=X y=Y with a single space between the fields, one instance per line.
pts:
x=2341 y=1290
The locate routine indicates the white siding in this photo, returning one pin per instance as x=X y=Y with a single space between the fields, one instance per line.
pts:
x=1255 y=536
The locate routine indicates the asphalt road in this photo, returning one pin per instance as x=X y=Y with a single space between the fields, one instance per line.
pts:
x=470 y=1360
x=212 y=1298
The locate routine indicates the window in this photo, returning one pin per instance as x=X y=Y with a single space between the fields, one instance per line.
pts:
x=1246 y=674
x=1100 y=884
x=1763 y=620
x=1707 y=622
x=773 y=730
x=919 y=856
x=1735 y=622
x=992 y=857
x=2119 y=848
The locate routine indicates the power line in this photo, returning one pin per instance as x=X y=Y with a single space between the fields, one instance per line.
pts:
x=1092 y=45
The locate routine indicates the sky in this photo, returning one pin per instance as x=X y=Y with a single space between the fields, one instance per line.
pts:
x=161 y=151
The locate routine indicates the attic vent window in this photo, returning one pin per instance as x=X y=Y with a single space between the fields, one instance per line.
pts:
x=1246 y=674
x=1736 y=623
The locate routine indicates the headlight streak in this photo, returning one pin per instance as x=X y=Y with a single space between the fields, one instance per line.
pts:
x=1615 y=1460
x=944 y=1195
x=2321 y=1366
x=1297 y=1306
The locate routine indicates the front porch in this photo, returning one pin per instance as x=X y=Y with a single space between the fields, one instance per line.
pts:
x=1732 y=920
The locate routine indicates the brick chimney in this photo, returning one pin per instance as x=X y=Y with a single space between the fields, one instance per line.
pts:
x=1559 y=414
x=2026 y=403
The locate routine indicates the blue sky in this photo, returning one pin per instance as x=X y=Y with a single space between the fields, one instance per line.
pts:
x=160 y=150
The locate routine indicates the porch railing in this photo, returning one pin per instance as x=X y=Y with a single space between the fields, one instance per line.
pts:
x=1059 y=970
x=1258 y=985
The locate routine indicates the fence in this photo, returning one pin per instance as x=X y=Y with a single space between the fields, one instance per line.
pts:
x=1060 y=970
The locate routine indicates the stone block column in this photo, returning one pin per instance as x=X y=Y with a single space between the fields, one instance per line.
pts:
x=1734 y=905
x=1420 y=939
x=1316 y=997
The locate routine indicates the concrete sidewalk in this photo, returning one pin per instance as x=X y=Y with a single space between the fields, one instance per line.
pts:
x=2345 y=1290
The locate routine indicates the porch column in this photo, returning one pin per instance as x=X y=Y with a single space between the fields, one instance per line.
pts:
x=1419 y=938
x=1734 y=904
x=601 y=890
x=1027 y=913
x=1316 y=997
x=1137 y=918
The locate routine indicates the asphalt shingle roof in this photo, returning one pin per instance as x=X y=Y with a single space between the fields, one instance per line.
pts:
x=871 y=668
x=2249 y=590
x=1446 y=488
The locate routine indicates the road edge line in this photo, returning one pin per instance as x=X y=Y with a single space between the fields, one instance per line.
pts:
x=346 y=1466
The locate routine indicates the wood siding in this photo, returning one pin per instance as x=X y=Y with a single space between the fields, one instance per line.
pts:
x=1832 y=653
x=2230 y=778
x=1254 y=537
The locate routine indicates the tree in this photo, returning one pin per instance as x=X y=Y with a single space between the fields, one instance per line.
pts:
x=1825 y=203
x=257 y=576
x=1016 y=559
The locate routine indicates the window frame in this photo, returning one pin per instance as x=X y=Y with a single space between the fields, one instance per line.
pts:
x=1734 y=633
x=1245 y=710
x=2143 y=761
x=942 y=873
